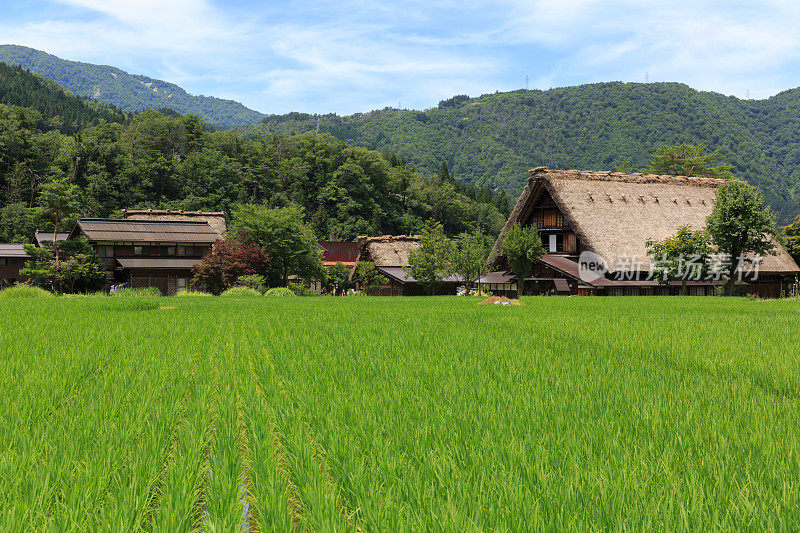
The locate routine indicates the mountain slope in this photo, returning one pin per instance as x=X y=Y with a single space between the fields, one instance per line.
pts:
x=127 y=91
x=59 y=110
x=492 y=140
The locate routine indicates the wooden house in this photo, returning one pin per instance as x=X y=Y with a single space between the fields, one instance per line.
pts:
x=12 y=259
x=610 y=216
x=390 y=254
x=148 y=253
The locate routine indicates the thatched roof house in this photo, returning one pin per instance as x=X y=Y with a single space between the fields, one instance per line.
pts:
x=390 y=254
x=613 y=214
x=215 y=219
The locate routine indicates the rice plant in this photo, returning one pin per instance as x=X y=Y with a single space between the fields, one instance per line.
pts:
x=399 y=414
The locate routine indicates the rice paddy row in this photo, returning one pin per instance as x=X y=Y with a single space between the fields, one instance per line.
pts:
x=371 y=414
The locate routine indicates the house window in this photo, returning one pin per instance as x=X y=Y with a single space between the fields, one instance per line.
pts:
x=182 y=283
x=137 y=250
x=105 y=251
x=168 y=250
x=3 y=261
x=553 y=244
x=182 y=250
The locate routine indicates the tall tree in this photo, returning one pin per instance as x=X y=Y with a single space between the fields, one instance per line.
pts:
x=468 y=260
x=681 y=257
x=688 y=160
x=228 y=261
x=791 y=238
x=429 y=264
x=522 y=246
x=288 y=241
x=740 y=224
x=59 y=200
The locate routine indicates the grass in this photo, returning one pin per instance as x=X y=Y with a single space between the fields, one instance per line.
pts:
x=24 y=291
x=395 y=414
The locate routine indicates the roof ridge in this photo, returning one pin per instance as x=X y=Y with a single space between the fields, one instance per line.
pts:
x=634 y=177
x=136 y=221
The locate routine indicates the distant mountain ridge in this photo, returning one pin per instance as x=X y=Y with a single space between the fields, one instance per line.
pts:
x=492 y=140
x=128 y=92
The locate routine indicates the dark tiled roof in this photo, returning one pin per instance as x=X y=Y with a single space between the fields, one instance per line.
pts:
x=126 y=230
x=339 y=252
x=12 y=250
x=398 y=274
x=45 y=236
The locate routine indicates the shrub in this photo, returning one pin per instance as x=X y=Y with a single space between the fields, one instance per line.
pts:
x=280 y=291
x=254 y=281
x=189 y=294
x=146 y=292
x=301 y=290
x=23 y=290
x=240 y=292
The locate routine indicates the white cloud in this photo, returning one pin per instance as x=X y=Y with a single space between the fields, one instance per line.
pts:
x=357 y=55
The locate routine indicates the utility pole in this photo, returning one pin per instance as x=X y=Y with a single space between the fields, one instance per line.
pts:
x=317 y=124
x=526 y=82
x=647 y=77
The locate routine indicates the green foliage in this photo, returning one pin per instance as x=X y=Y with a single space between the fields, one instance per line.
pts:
x=139 y=292
x=166 y=160
x=254 y=281
x=279 y=292
x=287 y=240
x=80 y=270
x=23 y=290
x=491 y=141
x=522 y=247
x=430 y=263
x=126 y=91
x=240 y=292
x=59 y=199
x=233 y=414
x=791 y=238
x=192 y=294
x=683 y=256
x=59 y=110
x=338 y=276
x=470 y=252
x=740 y=223
x=300 y=289
x=368 y=276
x=688 y=160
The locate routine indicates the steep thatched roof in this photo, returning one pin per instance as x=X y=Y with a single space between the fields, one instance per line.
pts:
x=613 y=214
x=387 y=250
x=215 y=219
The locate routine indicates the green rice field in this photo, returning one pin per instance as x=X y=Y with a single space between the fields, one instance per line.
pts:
x=399 y=414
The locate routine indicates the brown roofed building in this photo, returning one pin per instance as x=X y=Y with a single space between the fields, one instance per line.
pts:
x=338 y=252
x=148 y=253
x=42 y=237
x=215 y=219
x=12 y=259
x=612 y=215
x=390 y=253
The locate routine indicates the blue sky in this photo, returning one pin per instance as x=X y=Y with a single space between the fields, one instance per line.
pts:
x=350 y=56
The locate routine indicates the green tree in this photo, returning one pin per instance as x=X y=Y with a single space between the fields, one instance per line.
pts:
x=338 y=276
x=680 y=257
x=289 y=242
x=368 y=276
x=79 y=271
x=740 y=224
x=468 y=259
x=59 y=200
x=522 y=246
x=791 y=238
x=688 y=160
x=429 y=264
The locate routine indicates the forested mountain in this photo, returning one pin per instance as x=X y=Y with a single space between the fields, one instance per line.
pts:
x=492 y=140
x=169 y=160
x=57 y=109
x=126 y=91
